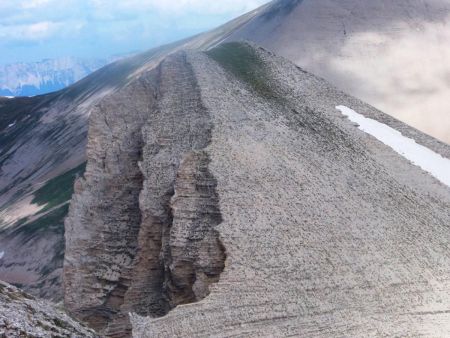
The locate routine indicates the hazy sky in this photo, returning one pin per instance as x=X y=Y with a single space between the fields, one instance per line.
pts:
x=36 y=29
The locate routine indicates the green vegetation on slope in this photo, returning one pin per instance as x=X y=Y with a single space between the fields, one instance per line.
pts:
x=59 y=189
x=242 y=61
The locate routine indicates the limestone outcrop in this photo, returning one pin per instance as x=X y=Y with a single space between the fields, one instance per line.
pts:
x=149 y=195
x=225 y=195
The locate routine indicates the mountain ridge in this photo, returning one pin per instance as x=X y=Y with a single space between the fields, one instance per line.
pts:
x=48 y=140
x=238 y=144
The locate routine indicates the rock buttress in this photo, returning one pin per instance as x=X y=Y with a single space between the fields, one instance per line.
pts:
x=196 y=256
x=141 y=232
x=104 y=218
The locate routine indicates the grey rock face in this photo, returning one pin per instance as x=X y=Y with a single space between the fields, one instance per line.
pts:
x=196 y=256
x=22 y=315
x=226 y=196
x=114 y=175
x=158 y=248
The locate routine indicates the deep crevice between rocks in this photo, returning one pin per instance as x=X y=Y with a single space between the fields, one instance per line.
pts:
x=174 y=248
x=191 y=268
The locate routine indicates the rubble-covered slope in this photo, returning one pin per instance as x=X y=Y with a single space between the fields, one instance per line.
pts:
x=22 y=315
x=226 y=195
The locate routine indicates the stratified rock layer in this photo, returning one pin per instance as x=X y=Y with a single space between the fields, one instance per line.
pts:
x=226 y=195
x=149 y=195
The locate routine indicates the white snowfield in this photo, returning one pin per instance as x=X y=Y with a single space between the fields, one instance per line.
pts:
x=421 y=156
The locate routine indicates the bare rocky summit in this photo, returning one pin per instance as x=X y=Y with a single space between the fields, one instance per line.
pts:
x=225 y=195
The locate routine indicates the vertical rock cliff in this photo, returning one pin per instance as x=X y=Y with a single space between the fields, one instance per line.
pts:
x=225 y=195
x=140 y=236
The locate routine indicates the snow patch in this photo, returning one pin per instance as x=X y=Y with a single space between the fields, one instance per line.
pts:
x=11 y=125
x=423 y=157
x=2 y=254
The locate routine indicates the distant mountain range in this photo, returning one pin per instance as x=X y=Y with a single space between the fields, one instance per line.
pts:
x=49 y=75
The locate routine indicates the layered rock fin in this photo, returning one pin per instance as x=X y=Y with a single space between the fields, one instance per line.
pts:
x=197 y=255
x=147 y=208
x=104 y=218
